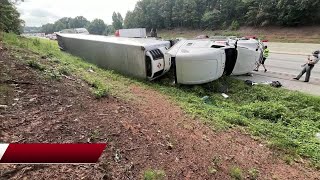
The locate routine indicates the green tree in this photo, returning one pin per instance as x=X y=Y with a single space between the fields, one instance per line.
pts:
x=59 y=25
x=9 y=17
x=117 y=20
x=234 y=25
x=109 y=30
x=79 y=22
x=177 y=16
x=214 y=14
x=97 y=26
x=211 y=19
x=65 y=23
x=165 y=13
x=261 y=13
x=131 y=20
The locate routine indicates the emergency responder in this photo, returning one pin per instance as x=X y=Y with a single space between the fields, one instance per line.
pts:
x=307 y=68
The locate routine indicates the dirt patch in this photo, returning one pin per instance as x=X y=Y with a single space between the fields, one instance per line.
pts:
x=151 y=133
x=273 y=34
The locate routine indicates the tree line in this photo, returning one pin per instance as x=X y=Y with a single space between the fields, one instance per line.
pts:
x=196 y=14
x=97 y=26
x=9 y=17
x=222 y=14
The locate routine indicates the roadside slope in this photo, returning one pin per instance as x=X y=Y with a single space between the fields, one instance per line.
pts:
x=273 y=34
x=148 y=132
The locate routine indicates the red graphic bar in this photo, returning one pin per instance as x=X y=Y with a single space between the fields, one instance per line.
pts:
x=52 y=153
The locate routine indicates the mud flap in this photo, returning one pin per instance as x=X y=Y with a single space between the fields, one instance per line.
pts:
x=231 y=59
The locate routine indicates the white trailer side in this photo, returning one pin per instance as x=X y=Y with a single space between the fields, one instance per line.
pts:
x=141 y=58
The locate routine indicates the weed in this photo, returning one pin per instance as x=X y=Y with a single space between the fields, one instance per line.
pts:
x=216 y=161
x=36 y=42
x=64 y=71
x=253 y=174
x=288 y=159
x=272 y=111
x=154 y=175
x=100 y=92
x=94 y=135
x=35 y=65
x=100 y=89
x=212 y=170
x=236 y=173
x=55 y=60
x=54 y=75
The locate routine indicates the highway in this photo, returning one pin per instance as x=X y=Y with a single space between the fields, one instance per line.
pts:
x=289 y=64
x=284 y=67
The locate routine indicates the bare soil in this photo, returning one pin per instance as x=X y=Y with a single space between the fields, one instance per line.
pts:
x=309 y=34
x=148 y=133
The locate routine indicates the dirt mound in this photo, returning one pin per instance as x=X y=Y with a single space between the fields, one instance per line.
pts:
x=149 y=133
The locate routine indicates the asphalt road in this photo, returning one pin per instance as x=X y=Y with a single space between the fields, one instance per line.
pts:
x=284 y=67
x=289 y=64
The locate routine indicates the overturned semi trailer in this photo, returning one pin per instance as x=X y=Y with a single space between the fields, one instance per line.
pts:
x=137 y=57
x=201 y=61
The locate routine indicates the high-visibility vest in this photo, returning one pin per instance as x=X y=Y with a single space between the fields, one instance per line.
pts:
x=266 y=53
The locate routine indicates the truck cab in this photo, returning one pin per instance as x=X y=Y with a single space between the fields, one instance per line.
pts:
x=201 y=61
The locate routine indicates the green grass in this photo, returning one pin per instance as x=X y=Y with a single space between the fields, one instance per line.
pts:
x=287 y=120
x=236 y=173
x=35 y=65
x=253 y=174
x=154 y=175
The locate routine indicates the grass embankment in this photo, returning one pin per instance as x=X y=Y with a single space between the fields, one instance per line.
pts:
x=287 y=120
x=272 y=34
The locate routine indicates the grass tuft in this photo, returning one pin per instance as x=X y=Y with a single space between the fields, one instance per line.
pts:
x=253 y=174
x=65 y=71
x=236 y=173
x=35 y=65
x=154 y=175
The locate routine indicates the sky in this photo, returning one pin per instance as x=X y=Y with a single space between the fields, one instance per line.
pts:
x=39 y=12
